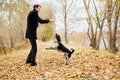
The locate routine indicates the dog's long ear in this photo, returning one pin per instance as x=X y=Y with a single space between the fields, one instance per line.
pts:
x=58 y=37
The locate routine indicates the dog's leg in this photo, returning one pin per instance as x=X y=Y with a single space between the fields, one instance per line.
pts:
x=66 y=58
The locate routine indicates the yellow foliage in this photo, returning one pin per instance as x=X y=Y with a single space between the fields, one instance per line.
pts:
x=101 y=0
x=101 y=12
x=93 y=17
x=45 y=31
x=117 y=2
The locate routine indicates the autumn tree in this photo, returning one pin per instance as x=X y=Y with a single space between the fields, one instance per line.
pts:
x=13 y=18
x=111 y=16
x=96 y=22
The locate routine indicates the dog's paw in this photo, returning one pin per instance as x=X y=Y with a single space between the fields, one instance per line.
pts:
x=69 y=55
x=46 y=48
x=72 y=49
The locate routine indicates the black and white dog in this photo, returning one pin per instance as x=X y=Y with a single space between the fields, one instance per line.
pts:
x=60 y=47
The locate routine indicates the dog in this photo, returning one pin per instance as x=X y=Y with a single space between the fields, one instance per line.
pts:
x=60 y=47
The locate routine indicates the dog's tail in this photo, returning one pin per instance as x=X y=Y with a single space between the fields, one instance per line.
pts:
x=72 y=51
x=58 y=37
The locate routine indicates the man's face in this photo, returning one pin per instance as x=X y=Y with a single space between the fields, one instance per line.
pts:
x=37 y=9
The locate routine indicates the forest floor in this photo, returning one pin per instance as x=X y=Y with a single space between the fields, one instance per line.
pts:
x=85 y=64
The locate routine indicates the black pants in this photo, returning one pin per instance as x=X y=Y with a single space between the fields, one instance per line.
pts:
x=33 y=51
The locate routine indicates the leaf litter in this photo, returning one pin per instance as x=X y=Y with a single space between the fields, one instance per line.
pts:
x=84 y=65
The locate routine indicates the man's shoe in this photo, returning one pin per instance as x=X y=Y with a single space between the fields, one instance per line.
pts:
x=28 y=61
x=33 y=63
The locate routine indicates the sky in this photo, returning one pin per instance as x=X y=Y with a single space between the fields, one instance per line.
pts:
x=76 y=18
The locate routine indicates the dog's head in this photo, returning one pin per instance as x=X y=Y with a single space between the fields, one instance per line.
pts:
x=58 y=38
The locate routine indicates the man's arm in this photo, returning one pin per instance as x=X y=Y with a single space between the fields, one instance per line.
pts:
x=36 y=17
x=45 y=21
x=42 y=21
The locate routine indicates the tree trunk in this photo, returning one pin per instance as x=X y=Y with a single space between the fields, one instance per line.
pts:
x=10 y=25
x=112 y=33
x=91 y=35
x=109 y=15
x=65 y=20
x=113 y=46
x=99 y=25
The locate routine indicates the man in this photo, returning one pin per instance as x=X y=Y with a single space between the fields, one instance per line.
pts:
x=31 y=32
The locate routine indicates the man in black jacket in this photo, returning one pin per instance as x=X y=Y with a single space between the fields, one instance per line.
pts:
x=31 y=32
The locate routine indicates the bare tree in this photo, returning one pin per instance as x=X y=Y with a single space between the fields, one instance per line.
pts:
x=67 y=8
x=90 y=28
x=10 y=24
x=93 y=34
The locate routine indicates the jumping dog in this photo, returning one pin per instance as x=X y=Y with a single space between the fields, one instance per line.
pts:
x=60 y=47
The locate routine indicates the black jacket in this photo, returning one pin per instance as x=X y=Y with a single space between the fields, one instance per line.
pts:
x=32 y=24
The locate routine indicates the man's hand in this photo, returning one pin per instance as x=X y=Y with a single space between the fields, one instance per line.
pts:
x=51 y=20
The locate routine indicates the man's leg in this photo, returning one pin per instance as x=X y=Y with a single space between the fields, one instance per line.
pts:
x=33 y=52
x=29 y=55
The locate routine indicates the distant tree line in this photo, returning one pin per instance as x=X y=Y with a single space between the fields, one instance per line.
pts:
x=12 y=22
x=13 y=18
